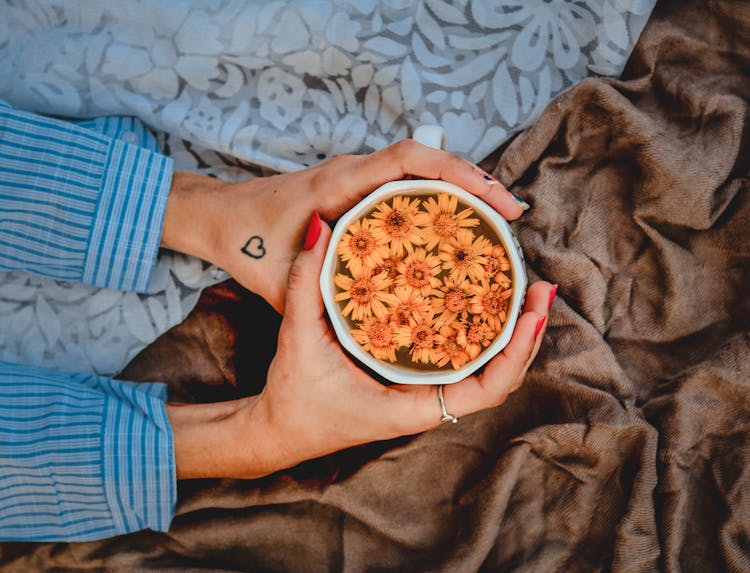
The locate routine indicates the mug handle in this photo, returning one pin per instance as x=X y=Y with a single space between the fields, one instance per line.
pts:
x=430 y=135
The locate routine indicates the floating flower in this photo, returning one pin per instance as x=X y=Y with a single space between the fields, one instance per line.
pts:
x=365 y=294
x=464 y=255
x=490 y=303
x=451 y=299
x=419 y=271
x=497 y=263
x=474 y=335
x=378 y=337
x=447 y=349
x=395 y=225
x=439 y=220
x=405 y=304
x=420 y=285
x=388 y=266
x=419 y=336
x=359 y=247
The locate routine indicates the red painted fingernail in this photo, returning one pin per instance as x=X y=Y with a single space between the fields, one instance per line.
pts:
x=552 y=295
x=539 y=325
x=313 y=231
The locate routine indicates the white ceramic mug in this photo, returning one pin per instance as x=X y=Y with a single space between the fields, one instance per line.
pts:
x=433 y=136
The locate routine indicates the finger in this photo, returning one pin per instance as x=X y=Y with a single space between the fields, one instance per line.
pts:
x=496 y=382
x=409 y=157
x=538 y=303
x=304 y=303
x=502 y=372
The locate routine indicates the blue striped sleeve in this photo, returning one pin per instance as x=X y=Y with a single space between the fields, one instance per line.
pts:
x=79 y=202
x=125 y=128
x=82 y=457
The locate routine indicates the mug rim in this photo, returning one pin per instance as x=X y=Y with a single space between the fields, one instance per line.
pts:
x=403 y=374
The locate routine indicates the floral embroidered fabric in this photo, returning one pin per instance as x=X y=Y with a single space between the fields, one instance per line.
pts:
x=282 y=85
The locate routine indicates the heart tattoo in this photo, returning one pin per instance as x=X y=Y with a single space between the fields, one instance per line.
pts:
x=254 y=247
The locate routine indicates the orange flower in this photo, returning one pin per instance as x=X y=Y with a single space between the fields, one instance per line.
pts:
x=451 y=299
x=447 y=348
x=419 y=336
x=474 y=335
x=464 y=255
x=395 y=225
x=439 y=220
x=419 y=271
x=405 y=304
x=359 y=247
x=388 y=266
x=497 y=262
x=378 y=337
x=490 y=303
x=421 y=279
x=364 y=292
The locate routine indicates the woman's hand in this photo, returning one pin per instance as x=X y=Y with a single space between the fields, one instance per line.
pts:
x=254 y=230
x=317 y=400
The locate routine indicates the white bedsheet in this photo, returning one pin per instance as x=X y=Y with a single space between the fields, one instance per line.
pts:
x=279 y=84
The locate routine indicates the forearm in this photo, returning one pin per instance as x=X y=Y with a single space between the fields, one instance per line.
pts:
x=194 y=215
x=216 y=440
x=242 y=228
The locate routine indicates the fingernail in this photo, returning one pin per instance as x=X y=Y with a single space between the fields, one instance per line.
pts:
x=539 y=325
x=552 y=295
x=489 y=179
x=313 y=231
x=524 y=205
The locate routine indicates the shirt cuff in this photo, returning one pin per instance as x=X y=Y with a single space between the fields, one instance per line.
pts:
x=82 y=457
x=140 y=479
x=126 y=232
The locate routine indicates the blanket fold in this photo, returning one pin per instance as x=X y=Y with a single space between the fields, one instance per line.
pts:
x=627 y=449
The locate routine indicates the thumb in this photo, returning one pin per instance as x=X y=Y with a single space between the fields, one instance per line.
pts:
x=304 y=303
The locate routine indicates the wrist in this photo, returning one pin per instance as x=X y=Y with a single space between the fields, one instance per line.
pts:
x=210 y=443
x=193 y=215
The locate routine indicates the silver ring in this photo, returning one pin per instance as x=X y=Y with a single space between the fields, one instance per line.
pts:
x=446 y=416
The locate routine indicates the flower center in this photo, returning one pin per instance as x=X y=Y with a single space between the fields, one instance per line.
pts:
x=381 y=335
x=402 y=314
x=462 y=256
x=493 y=303
x=397 y=224
x=422 y=336
x=362 y=244
x=450 y=345
x=389 y=267
x=417 y=275
x=492 y=266
x=445 y=225
x=455 y=301
x=475 y=334
x=362 y=291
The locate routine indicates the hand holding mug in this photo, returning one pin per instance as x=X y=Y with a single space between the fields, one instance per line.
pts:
x=254 y=229
x=317 y=400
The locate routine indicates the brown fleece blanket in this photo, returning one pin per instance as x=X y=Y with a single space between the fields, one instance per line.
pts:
x=628 y=447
